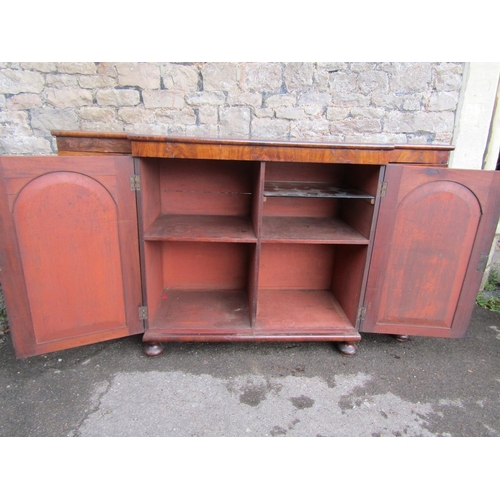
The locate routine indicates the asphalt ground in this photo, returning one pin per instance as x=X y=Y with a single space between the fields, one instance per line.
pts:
x=423 y=388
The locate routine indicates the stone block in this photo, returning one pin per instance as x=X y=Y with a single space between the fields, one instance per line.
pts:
x=163 y=99
x=43 y=120
x=69 y=97
x=252 y=99
x=298 y=75
x=220 y=76
x=24 y=101
x=367 y=112
x=332 y=66
x=290 y=113
x=17 y=81
x=118 y=97
x=344 y=83
x=442 y=101
x=14 y=122
x=151 y=129
x=373 y=81
x=180 y=77
x=136 y=115
x=448 y=76
x=60 y=80
x=102 y=126
x=359 y=125
x=96 y=81
x=263 y=112
x=262 y=77
x=388 y=101
x=143 y=75
x=205 y=98
x=336 y=113
x=234 y=122
x=208 y=115
x=362 y=67
x=202 y=130
x=315 y=98
x=97 y=114
x=412 y=103
x=269 y=128
x=310 y=129
x=410 y=77
x=25 y=145
x=42 y=67
x=314 y=110
x=280 y=100
x=185 y=116
x=80 y=68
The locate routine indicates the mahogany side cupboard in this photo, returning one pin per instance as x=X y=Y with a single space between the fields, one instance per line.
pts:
x=190 y=239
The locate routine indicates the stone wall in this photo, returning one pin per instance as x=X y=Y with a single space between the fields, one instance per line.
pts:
x=341 y=102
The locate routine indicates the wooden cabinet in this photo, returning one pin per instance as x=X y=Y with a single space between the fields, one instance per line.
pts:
x=224 y=240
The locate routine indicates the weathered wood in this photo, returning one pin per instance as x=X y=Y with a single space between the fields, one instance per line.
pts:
x=72 y=241
x=433 y=226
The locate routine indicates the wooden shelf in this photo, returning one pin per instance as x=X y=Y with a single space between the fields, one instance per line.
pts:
x=296 y=189
x=208 y=311
x=306 y=311
x=216 y=228
x=309 y=230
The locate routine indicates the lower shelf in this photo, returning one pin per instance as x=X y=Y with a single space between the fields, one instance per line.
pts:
x=213 y=311
x=223 y=315
x=306 y=311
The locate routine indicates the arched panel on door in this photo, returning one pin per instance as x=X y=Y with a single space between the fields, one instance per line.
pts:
x=426 y=269
x=68 y=237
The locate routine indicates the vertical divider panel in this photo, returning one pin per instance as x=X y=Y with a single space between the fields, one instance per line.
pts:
x=257 y=209
x=148 y=207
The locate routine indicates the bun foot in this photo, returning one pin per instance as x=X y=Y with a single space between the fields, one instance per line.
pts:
x=153 y=348
x=402 y=338
x=347 y=348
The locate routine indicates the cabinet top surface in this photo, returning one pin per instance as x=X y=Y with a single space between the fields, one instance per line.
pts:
x=245 y=141
x=160 y=146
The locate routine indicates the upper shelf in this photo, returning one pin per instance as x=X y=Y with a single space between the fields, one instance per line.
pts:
x=292 y=189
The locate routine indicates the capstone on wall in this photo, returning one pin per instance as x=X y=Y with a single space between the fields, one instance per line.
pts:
x=339 y=102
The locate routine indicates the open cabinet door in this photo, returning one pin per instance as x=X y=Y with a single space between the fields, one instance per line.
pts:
x=434 y=233
x=69 y=253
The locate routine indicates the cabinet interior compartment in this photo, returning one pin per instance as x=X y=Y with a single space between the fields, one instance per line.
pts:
x=199 y=200
x=309 y=287
x=199 y=285
x=318 y=203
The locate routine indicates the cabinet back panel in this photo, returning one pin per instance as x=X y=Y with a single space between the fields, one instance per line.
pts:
x=296 y=266
x=207 y=187
x=205 y=266
x=314 y=172
x=301 y=207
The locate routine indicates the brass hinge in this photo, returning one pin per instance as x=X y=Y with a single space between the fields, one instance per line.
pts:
x=135 y=182
x=382 y=189
x=143 y=312
x=361 y=313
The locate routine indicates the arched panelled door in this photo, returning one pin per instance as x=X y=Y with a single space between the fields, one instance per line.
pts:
x=433 y=236
x=75 y=265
